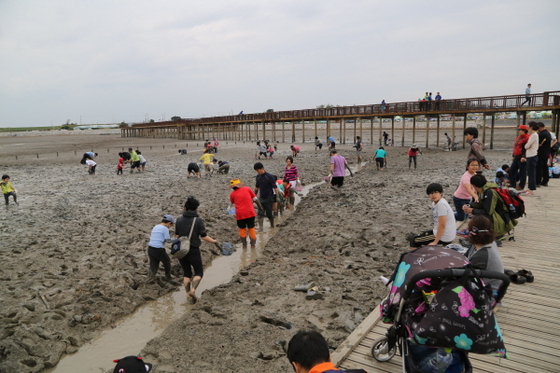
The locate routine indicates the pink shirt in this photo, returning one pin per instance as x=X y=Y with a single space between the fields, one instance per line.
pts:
x=461 y=192
x=339 y=168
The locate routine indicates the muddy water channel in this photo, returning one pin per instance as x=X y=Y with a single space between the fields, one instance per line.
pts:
x=149 y=320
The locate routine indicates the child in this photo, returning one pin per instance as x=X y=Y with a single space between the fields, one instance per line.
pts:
x=270 y=151
x=156 y=249
x=8 y=190
x=443 y=220
x=502 y=181
x=91 y=166
x=142 y=160
x=412 y=153
x=120 y=165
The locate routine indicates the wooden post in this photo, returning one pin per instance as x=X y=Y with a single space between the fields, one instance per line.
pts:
x=453 y=130
x=293 y=132
x=283 y=131
x=380 y=131
x=328 y=127
x=437 y=135
x=393 y=130
x=403 y=128
x=427 y=131
x=464 y=128
x=492 y=131
x=342 y=139
x=303 y=131
x=414 y=129
x=315 y=122
x=371 y=131
x=483 y=128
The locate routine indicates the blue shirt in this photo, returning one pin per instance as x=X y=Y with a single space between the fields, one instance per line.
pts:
x=160 y=233
x=380 y=153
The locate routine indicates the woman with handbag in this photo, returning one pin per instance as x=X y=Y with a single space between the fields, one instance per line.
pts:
x=192 y=226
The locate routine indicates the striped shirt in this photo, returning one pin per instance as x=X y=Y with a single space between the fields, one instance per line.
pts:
x=291 y=173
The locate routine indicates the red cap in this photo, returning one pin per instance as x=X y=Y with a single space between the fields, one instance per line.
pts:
x=523 y=127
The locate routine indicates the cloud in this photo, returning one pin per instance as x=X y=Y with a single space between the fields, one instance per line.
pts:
x=63 y=59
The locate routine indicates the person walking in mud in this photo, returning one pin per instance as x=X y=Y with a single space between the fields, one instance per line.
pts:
x=385 y=138
x=337 y=170
x=413 y=154
x=291 y=173
x=242 y=198
x=156 y=248
x=193 y=260
x=266 y=188
x=476 y=149
x=8 y=190
x=359 y=147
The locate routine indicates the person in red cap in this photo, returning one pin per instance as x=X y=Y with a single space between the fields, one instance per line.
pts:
x=518 y=168
x=131 y=364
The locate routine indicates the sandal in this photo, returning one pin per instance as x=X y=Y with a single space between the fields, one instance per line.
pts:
x=527 y=274
x=514 y=277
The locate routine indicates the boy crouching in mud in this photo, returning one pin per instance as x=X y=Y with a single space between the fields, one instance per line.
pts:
x=444 y=231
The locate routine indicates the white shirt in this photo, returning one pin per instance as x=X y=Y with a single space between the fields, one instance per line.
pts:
x=442 y=208
x=532 y=145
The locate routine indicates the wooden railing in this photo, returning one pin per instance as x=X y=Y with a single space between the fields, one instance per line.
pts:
x=539 y=101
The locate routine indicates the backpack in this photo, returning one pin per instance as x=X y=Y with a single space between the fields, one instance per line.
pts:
x=515 y=204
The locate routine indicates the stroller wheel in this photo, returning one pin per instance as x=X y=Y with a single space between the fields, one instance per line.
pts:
x=380 y=349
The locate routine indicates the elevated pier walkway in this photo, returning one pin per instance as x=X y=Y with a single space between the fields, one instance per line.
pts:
x=529 y=315
x=303 y=125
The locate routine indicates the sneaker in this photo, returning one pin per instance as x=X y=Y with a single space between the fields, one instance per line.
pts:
x=463 y=232
x=527 y=193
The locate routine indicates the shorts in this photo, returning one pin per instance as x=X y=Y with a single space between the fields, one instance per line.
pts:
x=246 y=223
x=143 y=164
x=193 y=168
x=135 y=164
x=337 y=181
x=380 y=161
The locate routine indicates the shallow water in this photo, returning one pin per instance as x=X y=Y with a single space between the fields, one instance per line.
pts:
x=133 y=331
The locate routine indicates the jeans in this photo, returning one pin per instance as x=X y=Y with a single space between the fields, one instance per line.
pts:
x=459 y=203
x=521 y=167
x=532 y=172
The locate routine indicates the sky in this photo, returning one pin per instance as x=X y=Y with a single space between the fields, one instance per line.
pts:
x=91 y=62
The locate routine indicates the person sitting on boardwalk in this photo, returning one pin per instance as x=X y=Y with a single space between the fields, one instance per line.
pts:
x=308 y=352
x=491 y=205
x=484 y=253
x=443 y=219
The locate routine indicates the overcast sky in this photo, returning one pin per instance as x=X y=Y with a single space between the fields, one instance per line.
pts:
x=103 y=61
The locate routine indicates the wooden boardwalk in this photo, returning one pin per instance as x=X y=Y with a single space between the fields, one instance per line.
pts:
x=529 y=317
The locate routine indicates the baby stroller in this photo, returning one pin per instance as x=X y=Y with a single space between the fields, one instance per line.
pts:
x=429 y=310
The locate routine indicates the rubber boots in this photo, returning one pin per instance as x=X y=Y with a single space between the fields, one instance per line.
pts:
x=244 y=242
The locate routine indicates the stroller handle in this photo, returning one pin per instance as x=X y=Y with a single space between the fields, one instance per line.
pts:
x=458 y=272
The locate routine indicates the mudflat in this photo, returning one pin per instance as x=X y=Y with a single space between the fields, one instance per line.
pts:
x=74 y=256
